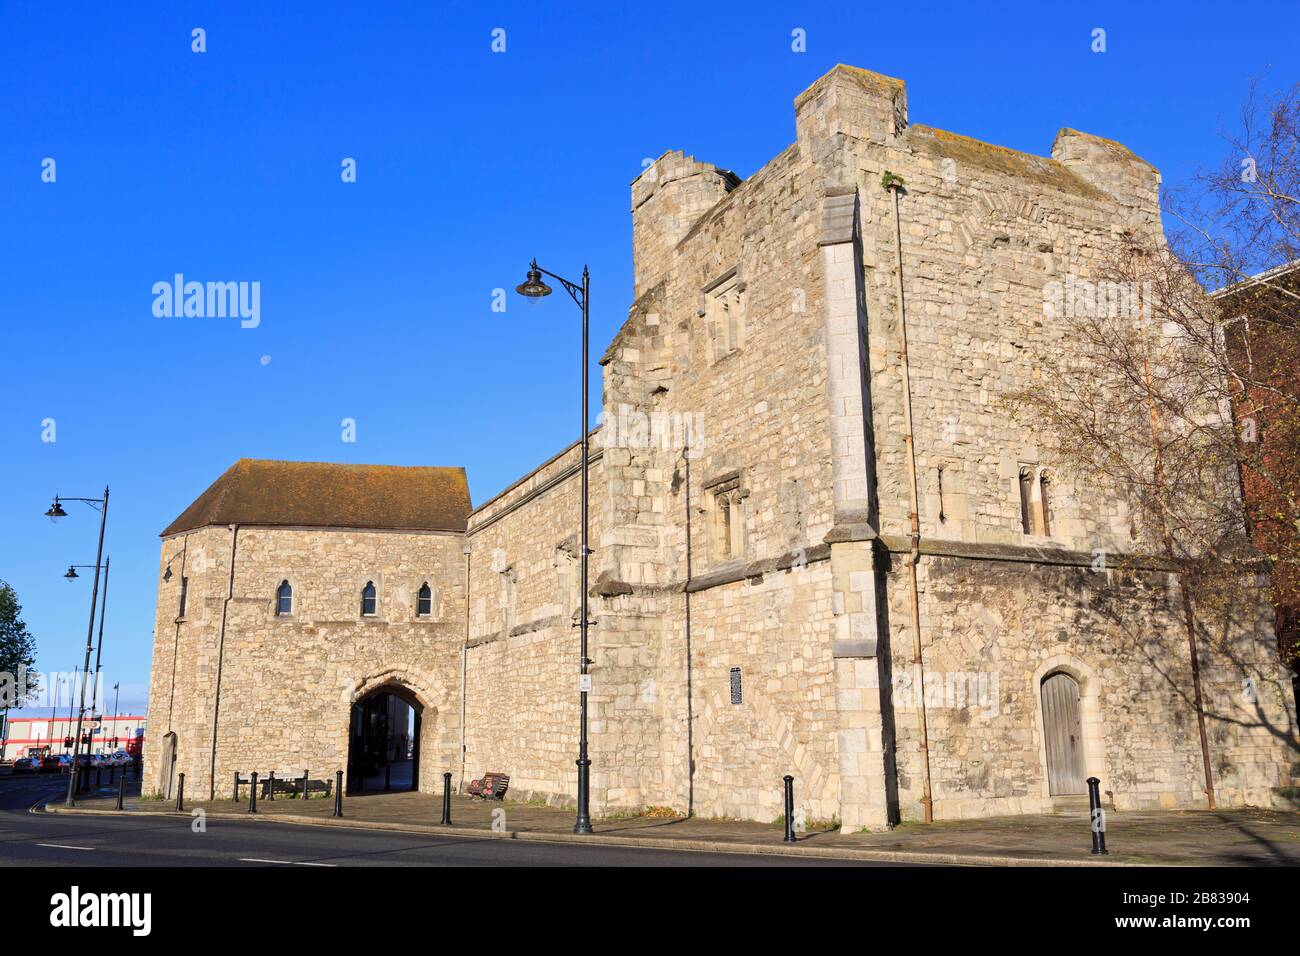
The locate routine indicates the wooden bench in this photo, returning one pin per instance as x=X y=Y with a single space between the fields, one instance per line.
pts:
x=491 y=787
x=287 y=785
x=293 y=786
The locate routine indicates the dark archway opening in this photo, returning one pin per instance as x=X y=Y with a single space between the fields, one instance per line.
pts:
x=384 y=742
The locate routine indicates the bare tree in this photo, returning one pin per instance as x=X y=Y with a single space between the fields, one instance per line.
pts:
x=1242 y=218
x=1177 y=385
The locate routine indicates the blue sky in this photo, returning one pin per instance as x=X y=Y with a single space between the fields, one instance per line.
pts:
x=376 y=296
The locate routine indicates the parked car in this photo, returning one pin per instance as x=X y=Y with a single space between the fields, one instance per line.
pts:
x=26 y=765
x=50 y=764
x=121 y=758
x=65 y=763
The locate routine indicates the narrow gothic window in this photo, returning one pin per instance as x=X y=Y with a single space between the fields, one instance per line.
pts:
x=1044 y=503
x=724 y=310
x=568 y=570
x=368 y=600
x=1026 y=492
x=728 y=520
x=424 y=600
x=185 y=592
x=724 y=526
x=284 y=598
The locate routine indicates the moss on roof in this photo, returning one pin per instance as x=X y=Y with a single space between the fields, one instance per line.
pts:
x=328 y=495
x=999 y=159
x=1110 y=144
x=867 y=79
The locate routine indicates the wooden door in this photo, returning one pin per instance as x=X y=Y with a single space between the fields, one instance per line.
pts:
x=1063 y=729
x=166 y=764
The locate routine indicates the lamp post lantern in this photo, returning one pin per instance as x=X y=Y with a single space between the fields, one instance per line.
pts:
x=56 y=511
x=534 y=288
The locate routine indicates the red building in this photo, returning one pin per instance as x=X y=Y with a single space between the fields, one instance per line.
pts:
x=54 y=734
x=1262 y=322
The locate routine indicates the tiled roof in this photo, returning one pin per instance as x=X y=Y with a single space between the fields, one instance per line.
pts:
x=326 y=495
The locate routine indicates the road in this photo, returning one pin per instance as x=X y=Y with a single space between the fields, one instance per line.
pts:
x=48 y=839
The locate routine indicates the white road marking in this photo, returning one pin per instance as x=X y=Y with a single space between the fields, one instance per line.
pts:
x=245 y=859
x=64 y=846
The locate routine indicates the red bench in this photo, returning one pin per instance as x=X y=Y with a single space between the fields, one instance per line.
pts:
x=491 y=787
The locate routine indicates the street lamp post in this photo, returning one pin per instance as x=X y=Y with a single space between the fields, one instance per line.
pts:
x=72 y=699
x=54 y=712
x=56 y=511
x=117 y=691
x=99 y=644
x=71 y=576
x=54 y=707
x=533 y=288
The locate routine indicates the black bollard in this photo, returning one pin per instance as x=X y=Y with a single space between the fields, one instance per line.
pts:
x=1098 y=817
x=98 y=778
x=121 y=790
x=112 y=774
x=338 y=793
x=446 y=799
x=252 y=792
x=304 y=784
x=235 y=796
x=789 y=808
x=180 y=793
x=270 y=786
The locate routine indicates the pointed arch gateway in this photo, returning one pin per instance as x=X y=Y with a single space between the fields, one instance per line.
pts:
x=384 y=739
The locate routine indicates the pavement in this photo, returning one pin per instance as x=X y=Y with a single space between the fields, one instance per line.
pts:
x=1142 y=838
x=90 y=837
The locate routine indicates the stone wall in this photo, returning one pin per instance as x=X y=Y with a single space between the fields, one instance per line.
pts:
x=750 y=509
x=995 y=629
x=287 y=681
x=522 y=653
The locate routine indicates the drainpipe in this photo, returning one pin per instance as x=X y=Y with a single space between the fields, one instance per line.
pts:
x=894 y=184
x=464 y=667
x=176 y=638
x=221 y=652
